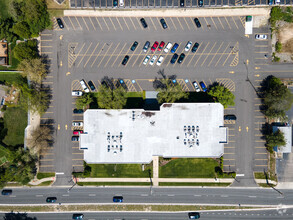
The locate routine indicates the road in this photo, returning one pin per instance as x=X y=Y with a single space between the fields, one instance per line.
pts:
x=143 y=195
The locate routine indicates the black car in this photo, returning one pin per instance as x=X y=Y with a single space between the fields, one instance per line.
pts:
x=197 y=23
x=194 y=48
x=193 y=215
x=6 y=192
x=125 y=60
x=174 y=58
x=230 y=117
x=92 y=86
x=143 y=22
x=181 y=3
x=51 y=199
x=115 y=3
x=200 y=3
x=75 y=138
x=181 y=58
x=77 y=216
x=134 y=45
x=60 y=23
x=77 y=111
x=163 y=22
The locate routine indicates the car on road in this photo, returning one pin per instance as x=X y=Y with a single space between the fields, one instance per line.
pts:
x=181 y=58
x=76 y=93
x=174 y=48
x=77 y=111
x=174 y=58
x=60 y=23
x=75 y=138
x=77 y=123
x=125 y=60
x=84 y=86
x=143 y=22
x=134 y=45
x=118 y=199
x=160 y=60
x=77 y=132
x=197 y=23
x=146 y=46
x=194 y=48
x=197 y=89
x=261 y=36
x=154 y=47
x=193 y=215
x=230 y=117
x=92 y=86
x=115 y=3
x=203 y=86
x=161 y=46
x=77 y=216
x=6 y=192
x=200 y=3
x=168 y=47
x=51 y=199
x=163 y=23
x=153 y=60
x=188 y=46
x=146 y=59
x=181 y=3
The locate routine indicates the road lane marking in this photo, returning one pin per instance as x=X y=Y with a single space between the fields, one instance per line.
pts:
x=171 y=195
x=132 y=23
x=153 y=23
x=215 y=54
x=228 y=23
x=224 y=196
x=92 y=194
x=39 y=195
x=71 y=23
x=65 y=195
x=186 y=23
x=252 y=196
x=234 y=22
x=197 y=195
x=173 y=24
x=144 y=195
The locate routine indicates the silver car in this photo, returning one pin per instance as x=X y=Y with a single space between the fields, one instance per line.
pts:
x=146 y=59
x=261 y=36
x=76 y=93
x=168 y=47
x=188 y=46
x=153 y=60
x=77 y=123
x=84 y=86
x=197 y=89
x=160 y=60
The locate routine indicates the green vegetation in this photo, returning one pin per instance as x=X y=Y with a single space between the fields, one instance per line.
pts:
x=259 y=175
x=26 y=50
x=193 y=184
x=33 y=69
x=278 y=46
x=45 y=175
x=112 y=184
x=10 y=77
x=281 y=14
x=84 y=101
x=111 y=98
x=5 y=155
x=275 y=58
x=275 y=139
x=192 y=168
x=46 y=183
x=222 y=95
x=266 y=185
x=6 y=26
x=4 y=4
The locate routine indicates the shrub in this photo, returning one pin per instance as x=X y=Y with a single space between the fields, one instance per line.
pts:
x=278 y=46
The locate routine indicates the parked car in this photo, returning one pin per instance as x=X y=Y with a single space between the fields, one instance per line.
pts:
x=174 y=58
x=181 y=58
x=121 y=3
x=146 y=46
x=168 y=47
x=163 y=23
x=200 y=3
x=188 y=46
x=74 y=138
x=60 y=23
x=154 y=47
x=92 y=86
x=261 y=36
x=153 y=60
x=6 y=192
x=76 y=93
x=160 y=60
x=197 y=23
x=77 y=123
x=77 y=216
x=143 y=22
x=161 y=46
x=134 y=45
x=118 y=199
x=203 y=86
x=197 y=89
x=194 y=48
x=51 y=199
x=174 y=48
x=77 y=132
x=271 y=2
x=193 y=215
x=115 y=3
x=230 y=117
x=77 y=111
x=146 y=59
x=181 y=3
x=125 y=60
x=84 y=86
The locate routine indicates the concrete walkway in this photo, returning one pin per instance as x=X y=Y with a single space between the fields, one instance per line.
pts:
x=36 y=182
x=155 y=170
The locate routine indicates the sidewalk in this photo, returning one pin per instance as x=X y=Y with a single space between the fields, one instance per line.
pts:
x=36 y=182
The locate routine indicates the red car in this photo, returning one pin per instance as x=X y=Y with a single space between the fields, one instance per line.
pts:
x=154 y=47
x=77 y=132
x=162 y=44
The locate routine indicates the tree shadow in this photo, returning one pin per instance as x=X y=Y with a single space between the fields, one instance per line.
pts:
x=18 y=216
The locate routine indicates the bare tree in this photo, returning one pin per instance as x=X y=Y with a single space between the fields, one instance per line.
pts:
x=39 y=139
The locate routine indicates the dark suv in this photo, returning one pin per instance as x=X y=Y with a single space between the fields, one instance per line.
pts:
x=181 y=3
x=6 y=192
x=125 y=60
x=143 y=22
x=92 y=86
x=194 y=48
x=200 y=3
x=181 y=58
x=163 y=22
x=230 y=117
x=134 y=45
x=197 y=23
x=174 y=58
x=60 y=23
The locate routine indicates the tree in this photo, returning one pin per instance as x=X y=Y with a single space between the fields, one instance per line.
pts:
x=111 y=98
x=170 y=92
x=34 y=69
x=275 y=139
x=22 y=29
x=83 y=101
x=6 y=30
x=222 y=95
x=39 y=139
x=26 y=50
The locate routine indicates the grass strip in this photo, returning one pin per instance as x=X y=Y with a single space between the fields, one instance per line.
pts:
x=45 y=175
x=192 y=184
x=46 y=183
x=112 y=184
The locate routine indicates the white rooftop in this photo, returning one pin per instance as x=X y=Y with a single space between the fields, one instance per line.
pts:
x=135 y=135
x=287 y=130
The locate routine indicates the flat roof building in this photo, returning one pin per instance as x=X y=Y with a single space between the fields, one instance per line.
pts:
x=187 y=130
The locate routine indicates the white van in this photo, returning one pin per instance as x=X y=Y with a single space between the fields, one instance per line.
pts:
x=121 y=3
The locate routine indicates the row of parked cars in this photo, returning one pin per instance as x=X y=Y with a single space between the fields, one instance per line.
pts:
x=164 y=24
x=87 y=87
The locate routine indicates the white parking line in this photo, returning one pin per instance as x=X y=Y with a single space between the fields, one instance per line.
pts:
x=144 y=195
x=92 y=194
x=65 y=195
x=39 y=195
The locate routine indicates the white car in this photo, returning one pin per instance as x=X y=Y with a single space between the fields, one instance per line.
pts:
x=77 y=123
x=160 y=60
x=197 y=89
x=84 y=86
x=153 y=59
x=168 y=47
x=188 y=46
x=146 y=59
x=261 y=36
x=76 y=93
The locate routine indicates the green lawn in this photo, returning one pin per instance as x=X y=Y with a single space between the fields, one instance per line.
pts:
x=15 y=121
x=4 y=8
x=190 y=168
x=13 y=62
x=4 y=155
x=122 y=170
x=10 y=77
x=45 y=175
x=193 y=184
x=112 y=184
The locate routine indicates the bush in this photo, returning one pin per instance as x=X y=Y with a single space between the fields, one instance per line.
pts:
x=26 y=50
x=278 y=46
